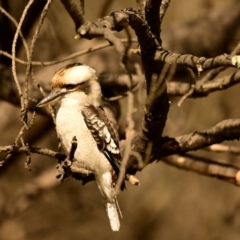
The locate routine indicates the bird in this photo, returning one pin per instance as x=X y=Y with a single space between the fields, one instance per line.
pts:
x=77 y=95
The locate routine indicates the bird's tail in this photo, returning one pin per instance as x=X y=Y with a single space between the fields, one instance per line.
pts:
x=113 y=212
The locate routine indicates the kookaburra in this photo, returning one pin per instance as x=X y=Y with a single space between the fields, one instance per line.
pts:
x=77 y=96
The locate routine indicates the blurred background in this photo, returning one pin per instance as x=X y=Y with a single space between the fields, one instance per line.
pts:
x=170 y=203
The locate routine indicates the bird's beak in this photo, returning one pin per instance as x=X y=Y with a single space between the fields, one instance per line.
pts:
x=52 y=97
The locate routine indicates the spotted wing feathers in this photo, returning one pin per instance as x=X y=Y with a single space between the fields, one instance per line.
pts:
x=104 y=134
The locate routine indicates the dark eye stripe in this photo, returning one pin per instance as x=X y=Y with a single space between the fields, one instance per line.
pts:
x=84 y=86
x=70 y=86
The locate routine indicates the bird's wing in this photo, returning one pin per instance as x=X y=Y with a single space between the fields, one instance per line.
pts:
x=104 y=134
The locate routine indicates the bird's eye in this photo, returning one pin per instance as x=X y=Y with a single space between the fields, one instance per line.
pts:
x=70 y=86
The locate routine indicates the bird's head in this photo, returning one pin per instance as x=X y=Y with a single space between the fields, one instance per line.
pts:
x=74 y=82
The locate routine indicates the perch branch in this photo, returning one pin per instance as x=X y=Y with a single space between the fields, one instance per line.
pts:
x=225 y=130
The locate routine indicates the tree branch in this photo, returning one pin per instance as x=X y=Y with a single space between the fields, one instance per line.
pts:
x=201 y=88
x=75 y=11
x=224 y=131
x=189 y=162
x=199 y=63
x=152 y=12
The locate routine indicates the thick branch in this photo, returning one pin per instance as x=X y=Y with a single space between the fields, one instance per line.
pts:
x=223 y=131
x=75 y=11
x=152 y=14
x=141 y=7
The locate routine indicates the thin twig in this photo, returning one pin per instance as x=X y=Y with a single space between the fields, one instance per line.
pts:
x=14 y=53
x=163 y=8
x=71 y=56
x=202 y=90
x=129 y=137
x=19 y=135
x=214 y=72
x=29 y=65
x=206 y=167
x=221 y=148
x=5 y=159
x=185 y=96
x=28 y=160
x=211 y=74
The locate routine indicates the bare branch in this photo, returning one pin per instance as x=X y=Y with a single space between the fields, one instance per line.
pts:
x=163 y=8
x=198 y=63
x=202 y=89
x=71 y=56
x=223 y=131
x=189 y=162
x=42 y=151
x=14 y=54
x=212 y=74
x=152 y=11
x=75 y=11
x=221 y=148
x=128 y=142
x=29 y=66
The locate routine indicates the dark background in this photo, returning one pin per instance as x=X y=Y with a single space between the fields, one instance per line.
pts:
x=169 y=203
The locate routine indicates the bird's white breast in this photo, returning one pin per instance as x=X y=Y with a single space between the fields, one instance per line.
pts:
x=70 y=123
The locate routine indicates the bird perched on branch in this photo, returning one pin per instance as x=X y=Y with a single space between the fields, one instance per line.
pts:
x=77 y=95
